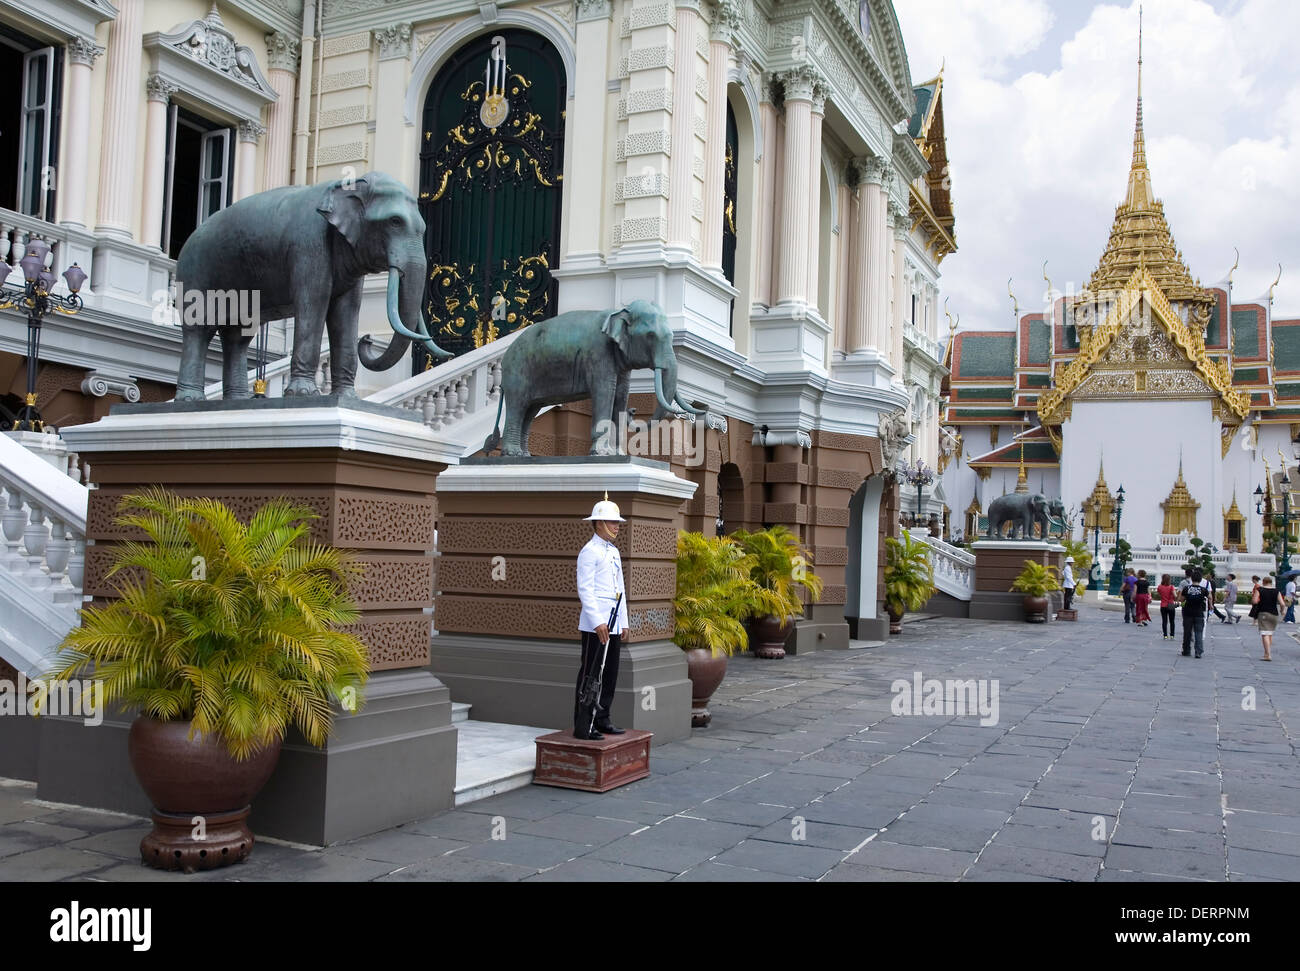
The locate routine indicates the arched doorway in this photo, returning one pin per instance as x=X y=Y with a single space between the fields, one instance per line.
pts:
x=491 y=164
x=731 y=499
x=863 y=541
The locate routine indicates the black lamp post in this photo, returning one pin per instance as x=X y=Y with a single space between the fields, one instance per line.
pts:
x=1094 y=573
x=35 y=299
x=1116 y=569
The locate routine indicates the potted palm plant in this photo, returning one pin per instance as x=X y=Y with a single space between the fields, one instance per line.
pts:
x=1036 y=581
x=715 y=596
x=781 y=566
x=222 y=636
x=909 y=578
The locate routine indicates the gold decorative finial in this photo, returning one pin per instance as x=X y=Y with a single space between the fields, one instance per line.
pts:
x=952 y=327
x=607 y=495
x=1236 y=262
x=1015 y=304
x=1274 y=285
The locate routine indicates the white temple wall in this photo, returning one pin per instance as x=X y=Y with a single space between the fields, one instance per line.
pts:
x=1141 y=443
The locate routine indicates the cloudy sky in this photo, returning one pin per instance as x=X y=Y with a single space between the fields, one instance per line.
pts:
x=1039 y=101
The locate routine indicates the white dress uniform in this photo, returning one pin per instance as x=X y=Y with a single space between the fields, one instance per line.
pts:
x=600 y=581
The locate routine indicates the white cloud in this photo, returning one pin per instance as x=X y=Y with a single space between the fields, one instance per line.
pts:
x=1040 y=157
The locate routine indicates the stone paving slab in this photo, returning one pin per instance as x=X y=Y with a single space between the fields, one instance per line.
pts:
x=1096 y=719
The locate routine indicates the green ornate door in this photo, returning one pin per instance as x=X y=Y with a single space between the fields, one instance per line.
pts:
x=490 y=179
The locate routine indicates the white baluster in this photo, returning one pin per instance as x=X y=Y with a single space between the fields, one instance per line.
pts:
x=462 y=398
x=440 y=407
x=4 y=245
x=428 y=408
x=77 y=563
x=74 y=470
x=13 y=521
x=34 y=537
x=57 y=551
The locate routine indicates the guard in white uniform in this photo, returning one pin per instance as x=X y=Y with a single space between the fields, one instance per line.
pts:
x=600 y=581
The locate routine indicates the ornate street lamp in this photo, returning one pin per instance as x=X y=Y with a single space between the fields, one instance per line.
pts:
x=1094 y=574
x=1116 y=569
x=920 y=476
x=34 y=298
x=1286 y=518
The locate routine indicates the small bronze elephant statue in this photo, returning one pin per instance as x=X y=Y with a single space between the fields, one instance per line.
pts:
x=1023 y=510
x=586 y=354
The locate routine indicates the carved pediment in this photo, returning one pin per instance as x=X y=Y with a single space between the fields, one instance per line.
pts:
x=205 y=61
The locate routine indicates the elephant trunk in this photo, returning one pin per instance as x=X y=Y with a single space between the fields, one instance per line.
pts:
x=403 y=300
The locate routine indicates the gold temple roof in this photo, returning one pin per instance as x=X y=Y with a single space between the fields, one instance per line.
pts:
x=1140 y=235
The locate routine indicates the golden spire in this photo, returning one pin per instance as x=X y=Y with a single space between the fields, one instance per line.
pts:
x=1140 y=235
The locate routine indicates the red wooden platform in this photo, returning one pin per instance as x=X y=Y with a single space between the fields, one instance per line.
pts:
x=592 y=766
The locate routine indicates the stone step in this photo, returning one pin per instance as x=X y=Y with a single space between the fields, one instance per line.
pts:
x=492 y=758
x=460 y=711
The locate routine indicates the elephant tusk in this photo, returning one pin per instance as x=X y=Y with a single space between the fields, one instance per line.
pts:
x=690 y=409
x=659 y=393
x=395 y=318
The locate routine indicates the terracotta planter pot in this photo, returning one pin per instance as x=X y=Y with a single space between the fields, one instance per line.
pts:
x=200 y=793
x=706 y=673
x=895 y=619
x=1035 y=609
x=768 y=635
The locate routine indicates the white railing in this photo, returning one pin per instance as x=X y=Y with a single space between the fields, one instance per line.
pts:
x=277 y=376
x=16 y=229
x=1170 y=559
x=954 y=568
x=920 y=339
x=42 y=564
x=450 y=393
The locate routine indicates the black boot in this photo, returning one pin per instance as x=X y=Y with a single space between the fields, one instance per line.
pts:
x=608 y=727
x=588 y=736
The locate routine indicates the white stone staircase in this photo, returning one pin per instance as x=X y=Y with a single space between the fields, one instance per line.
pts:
x=43 y=520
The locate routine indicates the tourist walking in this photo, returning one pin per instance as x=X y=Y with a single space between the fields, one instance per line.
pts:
x=1126 y=591
x=1267 y=599
x=1254 y=601
x=1142 y=599
x=1230 y=600
x=1067 y=582
x=600 y=584
x=1168 y=594
x=1194 y=591
x=1289 y=596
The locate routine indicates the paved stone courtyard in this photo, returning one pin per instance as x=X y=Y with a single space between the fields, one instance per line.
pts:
x=1112 y=758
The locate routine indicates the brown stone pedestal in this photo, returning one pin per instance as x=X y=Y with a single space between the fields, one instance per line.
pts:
x=509 y=534
x=592 y=766
x=1070 y=614
x=997 y=564
x=368 y=473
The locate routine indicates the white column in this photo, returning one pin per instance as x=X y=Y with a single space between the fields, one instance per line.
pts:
x=880 y=262
x=73 y=175
x=792 y=247
x=843 y=276
x=815 y=195
x=586 y=123
x=159 y=91
x=859 y=302
x=282 y=69
x=681 y=178
x=246 y=158
x=898 y=313
x=304 y=92
x=117 y=161
x=769 y=204
x=726 y=19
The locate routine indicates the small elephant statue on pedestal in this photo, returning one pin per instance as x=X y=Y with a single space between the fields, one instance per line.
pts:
x=302 y=252
x=1023 y=510
x=586 y=354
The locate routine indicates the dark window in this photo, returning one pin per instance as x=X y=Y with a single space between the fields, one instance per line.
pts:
x=729 y=206
x=29 y=123
x=200 y=163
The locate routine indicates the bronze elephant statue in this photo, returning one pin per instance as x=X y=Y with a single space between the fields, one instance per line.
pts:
x=586 y=354
x=1024 y=510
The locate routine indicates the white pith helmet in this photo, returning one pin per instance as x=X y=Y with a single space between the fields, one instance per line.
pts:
x=605 y=511
x=1069 y=559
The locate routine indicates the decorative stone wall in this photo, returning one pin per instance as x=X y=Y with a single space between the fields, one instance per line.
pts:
x=380 y=508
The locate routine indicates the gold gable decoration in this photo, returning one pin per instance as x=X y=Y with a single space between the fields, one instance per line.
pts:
x=1180 y=508
x=1215 y=373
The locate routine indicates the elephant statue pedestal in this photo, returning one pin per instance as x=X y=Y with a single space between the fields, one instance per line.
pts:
x=509 y=534
x=997 y=564
x=370 y=477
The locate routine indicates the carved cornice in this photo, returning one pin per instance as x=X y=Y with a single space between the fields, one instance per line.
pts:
x=158 y=88
x=282 y=52
x=394 y=41
x=83 y=50
x=203 y=58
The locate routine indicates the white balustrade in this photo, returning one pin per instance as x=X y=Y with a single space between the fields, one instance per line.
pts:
x=954 y=567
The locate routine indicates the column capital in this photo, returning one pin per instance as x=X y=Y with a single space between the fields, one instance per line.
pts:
x=585 y=10
x=251 y=131
x=820 y=91
x=83 y=50
x=900 y=216
x=158 y=88
x=688 y=5
x=872 y=169
x=394 y=41
x=800 y=82
x=726 y=21
x=282 y=52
